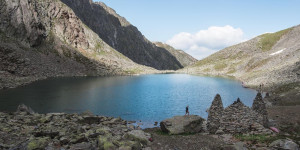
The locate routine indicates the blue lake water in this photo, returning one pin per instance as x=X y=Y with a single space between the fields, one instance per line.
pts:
x=148 y=98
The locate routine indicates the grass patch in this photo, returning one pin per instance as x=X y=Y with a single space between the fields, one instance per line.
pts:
x=206 y=70
x=258 y=138
x=159 y=132
x=252 y=64
x=240 y=55
x=205 y=61
x=268 y=40
x=98 y=46
x=220 y=66
x=231 y=70
x=133 y=71
x=264 y=138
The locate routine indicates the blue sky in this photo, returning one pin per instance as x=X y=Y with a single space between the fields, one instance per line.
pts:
x=178 y=21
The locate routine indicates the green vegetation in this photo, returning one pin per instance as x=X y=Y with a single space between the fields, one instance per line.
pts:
x=268 y=40
x=264 y=138
x=39 y=143
x=133 y=71
x=252 y=64
x=220 y=66
x=258 y=138
x=205 y=61
x=159 y=132
x=231 y=70
x=206 y=70
x=98 y=46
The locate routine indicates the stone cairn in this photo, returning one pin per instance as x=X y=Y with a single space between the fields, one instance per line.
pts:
x=215 y=114
x=259 y=106
x=237 y=118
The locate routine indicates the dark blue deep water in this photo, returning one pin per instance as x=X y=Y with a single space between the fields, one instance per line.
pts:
x=148 y=98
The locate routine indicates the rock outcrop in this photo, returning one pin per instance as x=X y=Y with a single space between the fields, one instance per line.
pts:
x=67 y=131
x=215 y=114
x=237 y=118
x=184 y=58
x=40 y=39
x=121 y=35
x=182 y=124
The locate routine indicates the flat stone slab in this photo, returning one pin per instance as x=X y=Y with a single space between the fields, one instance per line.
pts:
x=182 y=124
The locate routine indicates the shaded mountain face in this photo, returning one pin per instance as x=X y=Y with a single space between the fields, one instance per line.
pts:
x=184 y=58
x=41 y=39
x=121 y=35
x=271 y=59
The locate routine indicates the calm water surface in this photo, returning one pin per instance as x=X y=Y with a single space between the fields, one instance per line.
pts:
x=148 y=98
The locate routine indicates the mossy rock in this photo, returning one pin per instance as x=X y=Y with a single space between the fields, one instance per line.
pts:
x=125 y=148
x=109 y=146
x=134 y=145
x=105 y=143
x=38 y=143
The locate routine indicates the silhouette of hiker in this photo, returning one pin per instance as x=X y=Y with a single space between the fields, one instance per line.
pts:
x=187 y=110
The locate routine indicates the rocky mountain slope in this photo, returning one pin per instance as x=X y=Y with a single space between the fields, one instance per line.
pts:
x=272 y=59
x=40 y=39
x=121 y=35
x=184 y=58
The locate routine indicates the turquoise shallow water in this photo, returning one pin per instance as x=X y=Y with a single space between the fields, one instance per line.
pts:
x=148 y=98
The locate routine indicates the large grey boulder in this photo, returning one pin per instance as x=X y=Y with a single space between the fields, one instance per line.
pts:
x=139 y=135
x=182 y=124
x=284 y=144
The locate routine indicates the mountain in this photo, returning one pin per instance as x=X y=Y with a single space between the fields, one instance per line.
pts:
x=117 y=32
x=40 y=39
x=184 y=58
x=272 y=59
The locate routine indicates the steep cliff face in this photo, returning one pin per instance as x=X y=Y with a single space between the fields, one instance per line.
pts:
x=41 y=39
x=272 y=59
x=121 y=35
x=184 y=58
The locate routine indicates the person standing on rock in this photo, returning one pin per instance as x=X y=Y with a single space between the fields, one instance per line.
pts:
x=187 y=110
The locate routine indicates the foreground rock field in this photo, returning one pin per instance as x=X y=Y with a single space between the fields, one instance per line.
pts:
x=26 y=130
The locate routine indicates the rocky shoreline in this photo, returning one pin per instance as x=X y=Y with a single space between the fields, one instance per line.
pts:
x=235 y=127
x=27 y=130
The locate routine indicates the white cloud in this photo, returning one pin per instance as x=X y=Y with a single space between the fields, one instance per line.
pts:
x=206 y=42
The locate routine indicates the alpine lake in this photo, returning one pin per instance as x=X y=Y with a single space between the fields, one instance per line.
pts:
x=144 y=98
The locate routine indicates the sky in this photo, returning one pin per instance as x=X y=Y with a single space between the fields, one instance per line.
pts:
x=200 y=27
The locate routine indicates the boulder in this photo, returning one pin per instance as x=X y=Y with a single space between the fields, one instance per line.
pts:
x=240 y=146
x=284 y=144
x=139 y=135
x=24 y=109
x=182 y=124
x=90 y=120
x=38 y=143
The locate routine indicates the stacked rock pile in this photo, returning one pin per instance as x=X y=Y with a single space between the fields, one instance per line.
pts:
x=238 y=118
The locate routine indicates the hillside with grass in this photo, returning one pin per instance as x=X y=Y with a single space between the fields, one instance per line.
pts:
x=272 y=59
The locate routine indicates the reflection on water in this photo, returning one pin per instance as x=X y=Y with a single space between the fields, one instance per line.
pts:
x=148 y=98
